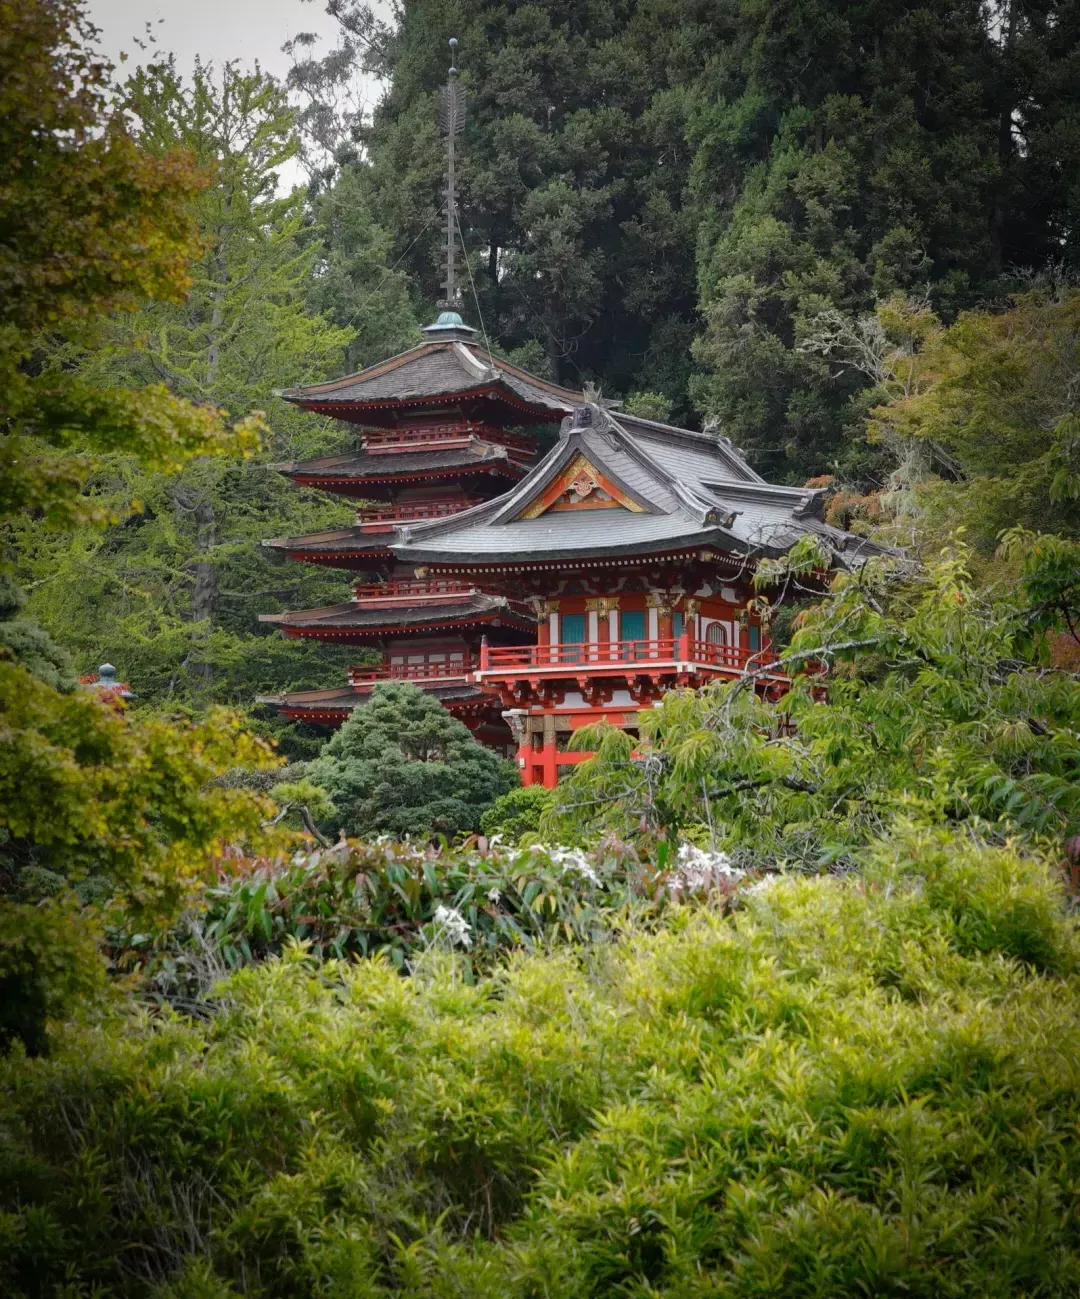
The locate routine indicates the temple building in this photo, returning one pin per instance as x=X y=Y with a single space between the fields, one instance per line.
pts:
x=635 y=544
x=534 y=597
x=445 y=428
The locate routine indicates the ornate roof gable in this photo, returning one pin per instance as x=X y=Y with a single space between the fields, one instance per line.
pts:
x=669 y=489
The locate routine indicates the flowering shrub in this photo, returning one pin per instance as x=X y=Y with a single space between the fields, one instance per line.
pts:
x=359 y=898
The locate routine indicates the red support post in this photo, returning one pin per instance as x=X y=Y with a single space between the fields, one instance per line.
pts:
x=483 y=654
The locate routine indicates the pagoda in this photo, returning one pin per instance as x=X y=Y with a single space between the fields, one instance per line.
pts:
x=636 y=544
x=442 y=433
x=534 y=598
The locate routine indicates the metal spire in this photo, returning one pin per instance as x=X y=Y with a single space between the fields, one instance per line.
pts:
x=451 y=123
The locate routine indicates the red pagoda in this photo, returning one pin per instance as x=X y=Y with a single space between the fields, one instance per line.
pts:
x=442 y=434
x=636 y=544
x=532 y=599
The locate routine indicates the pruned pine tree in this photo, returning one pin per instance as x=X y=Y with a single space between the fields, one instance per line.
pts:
x=403 y=765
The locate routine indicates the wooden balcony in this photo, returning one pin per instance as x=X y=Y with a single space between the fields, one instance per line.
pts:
x=682 y=659
x=384 y=517
x=418 y=673
x=437 y=437
x=413 y=591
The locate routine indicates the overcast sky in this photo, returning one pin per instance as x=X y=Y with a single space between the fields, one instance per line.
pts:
x=215 y=29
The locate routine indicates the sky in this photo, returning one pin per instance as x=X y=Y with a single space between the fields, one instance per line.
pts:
x=214 y=29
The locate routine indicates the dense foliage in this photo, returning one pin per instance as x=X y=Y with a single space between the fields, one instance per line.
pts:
x=402 y=764
x=173 y=596
x=935 y=710
x=629 y=162
x=851 y=1087
x=400 y=899
x=89 y=799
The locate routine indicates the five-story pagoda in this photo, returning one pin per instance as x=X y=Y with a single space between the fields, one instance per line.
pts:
x=442 y=433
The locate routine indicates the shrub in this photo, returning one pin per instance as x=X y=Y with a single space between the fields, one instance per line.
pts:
x=517 y=812
x=400 y=900
x=846 y=1086
x=404 y=765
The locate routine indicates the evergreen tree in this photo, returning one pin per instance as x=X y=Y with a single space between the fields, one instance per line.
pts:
x=352 y=282
x=571 y=175
x=92 y=800
x=173 y=595
x=844 y=152
x=402 y=764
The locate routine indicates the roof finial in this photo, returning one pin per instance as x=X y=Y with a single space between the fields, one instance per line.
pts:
x=452 y=123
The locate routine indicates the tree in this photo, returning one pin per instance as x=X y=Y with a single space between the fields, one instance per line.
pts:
x=866 y=151
x=572 y=174
x=353 y=283
x=173 y=595
x=91 y=223
x=517 y=812
x=916 y=697
x=402 y=764
x=999 y=393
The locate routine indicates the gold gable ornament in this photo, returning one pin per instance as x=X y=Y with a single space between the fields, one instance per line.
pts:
x=580 y=482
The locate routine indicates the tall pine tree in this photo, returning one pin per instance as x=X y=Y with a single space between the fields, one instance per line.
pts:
x=846 y=152
x=572 y=177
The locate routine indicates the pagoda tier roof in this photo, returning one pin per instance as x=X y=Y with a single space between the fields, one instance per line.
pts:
x=658 y=489
x=341 y=547
x=332 y=706
x=357 y=619
x=349 y=474
x=438 y=370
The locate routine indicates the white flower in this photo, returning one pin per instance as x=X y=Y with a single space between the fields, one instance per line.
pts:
x=697 y=869
x=761 y=885
x=494 y=895
x=454 y=925
x=572 y=861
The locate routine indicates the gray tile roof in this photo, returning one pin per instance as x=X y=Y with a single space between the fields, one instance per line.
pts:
x=364 y=466
x=360 y=616
x=436 y=369
x=693 y=489
x=338 y=541
x=345 y=697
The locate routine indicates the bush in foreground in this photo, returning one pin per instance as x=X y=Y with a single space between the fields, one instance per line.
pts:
x=403 y=765
x=848 y=1086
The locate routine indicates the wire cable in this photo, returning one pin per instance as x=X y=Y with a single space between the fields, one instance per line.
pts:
x=472 y=285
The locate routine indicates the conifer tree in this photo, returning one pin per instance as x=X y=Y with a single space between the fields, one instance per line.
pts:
x=867 y=150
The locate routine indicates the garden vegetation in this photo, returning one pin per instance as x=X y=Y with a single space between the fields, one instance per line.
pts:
x=770 y=998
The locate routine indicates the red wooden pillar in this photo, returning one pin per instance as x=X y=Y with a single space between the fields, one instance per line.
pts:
x=665 y=628
x=549 y=756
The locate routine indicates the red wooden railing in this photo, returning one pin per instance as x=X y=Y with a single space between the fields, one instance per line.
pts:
x=382 y=440
x=409 y=672
x=411 y=588
x=394 y=512
x=673 y=649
